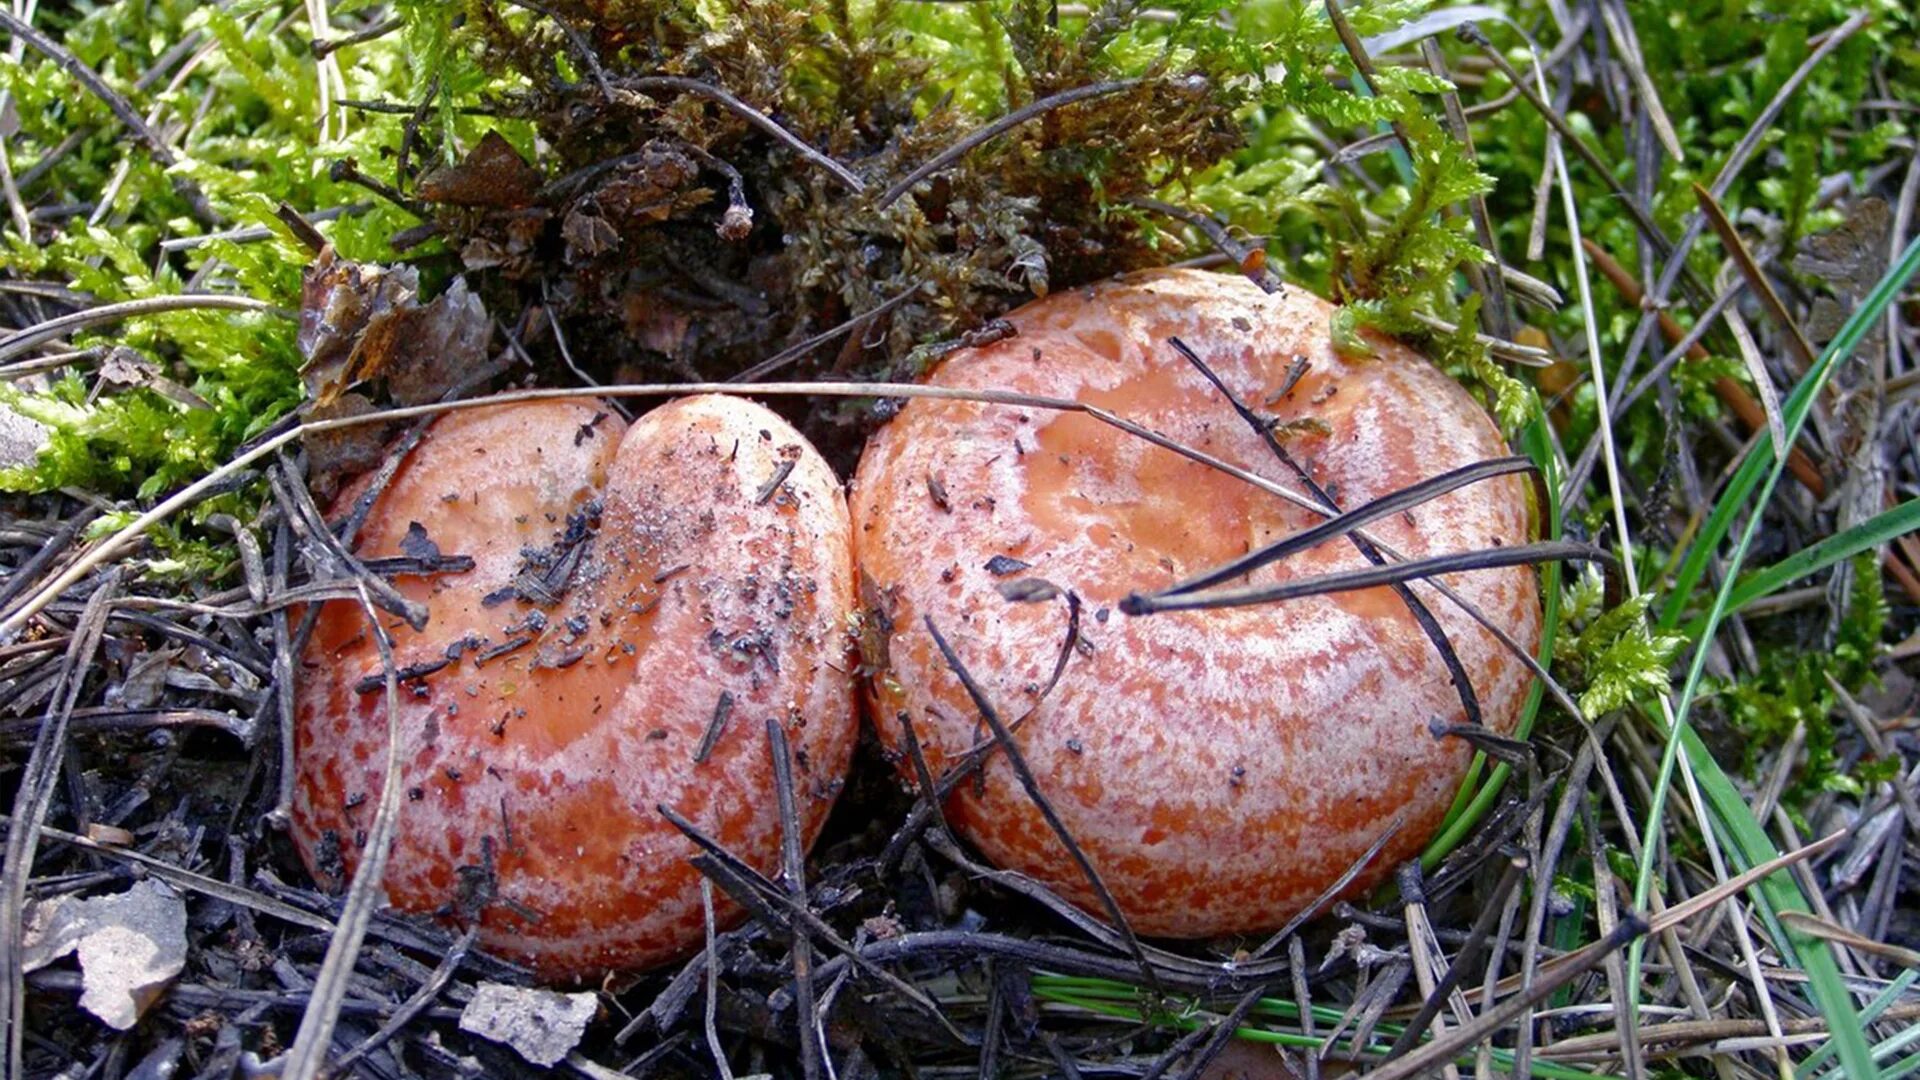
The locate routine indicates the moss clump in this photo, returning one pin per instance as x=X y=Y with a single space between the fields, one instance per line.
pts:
x=684 y=238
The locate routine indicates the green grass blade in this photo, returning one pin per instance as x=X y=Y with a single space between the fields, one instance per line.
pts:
x=1473 y=800
x=1839 y=547
x=1121 y=1001
x=1719 y=523
x=1905 y=1067
x=1751 y=845
x=1887 y=1049
x=1868 y=1015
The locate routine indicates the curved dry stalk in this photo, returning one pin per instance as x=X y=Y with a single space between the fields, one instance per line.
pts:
x=16 y=619
x=1389 y=574
x=752 y=116
x=40 y=333
x=310 y=1044
x=117 y=104
x=988 y=132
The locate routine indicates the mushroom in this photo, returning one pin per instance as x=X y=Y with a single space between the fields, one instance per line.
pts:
x=1219 y=769
x=636 y=611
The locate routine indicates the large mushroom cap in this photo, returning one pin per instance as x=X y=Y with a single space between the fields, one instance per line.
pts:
x=624 y=594
x=1220 y=768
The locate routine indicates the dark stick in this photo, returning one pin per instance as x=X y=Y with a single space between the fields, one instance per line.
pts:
x=1018 y=762
x=415 y=1005
x=1347 y=521
x=1068 y=1070
x=324 y=47
x=930 y=796
x=994 y=1030
x=780 y=474
x=1476 y=942
x=1302 y=1000
x=1251 y=261
x=794 y=865
x=1462 y=684
x=1350 y=580
x=721 y=710
x=410 y=132
x=347 y=171
x=794 y=352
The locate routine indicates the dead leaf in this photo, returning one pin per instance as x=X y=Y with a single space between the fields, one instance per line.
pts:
x=588 y=236
x=145 y=680
x=21 y=439
x=434 y=348
x=1848 y=259
x=333 y=456
x=542 y=1025
x=126 y=367
x=657 y=323
x=492 y=175
x=360 y=322
x=130 y=945
x=339 y=300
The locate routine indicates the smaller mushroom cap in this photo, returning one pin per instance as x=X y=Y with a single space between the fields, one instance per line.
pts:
x=638 y=608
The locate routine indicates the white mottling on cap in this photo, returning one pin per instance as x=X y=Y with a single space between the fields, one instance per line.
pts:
x=1220 y=768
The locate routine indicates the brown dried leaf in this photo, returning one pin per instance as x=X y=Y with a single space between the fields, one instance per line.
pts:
x=338 y=301
x=493 y=175
x=126 y=367
x=360 y=322
x=588 y=236
x=434 y=348
x=333 y=456
x=1848 y=259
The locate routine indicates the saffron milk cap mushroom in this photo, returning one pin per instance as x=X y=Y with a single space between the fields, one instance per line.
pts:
x=640 y=604
x=1220 y=769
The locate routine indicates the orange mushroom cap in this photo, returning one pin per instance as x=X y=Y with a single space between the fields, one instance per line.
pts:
x=1219 y=768
x=625 y=593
